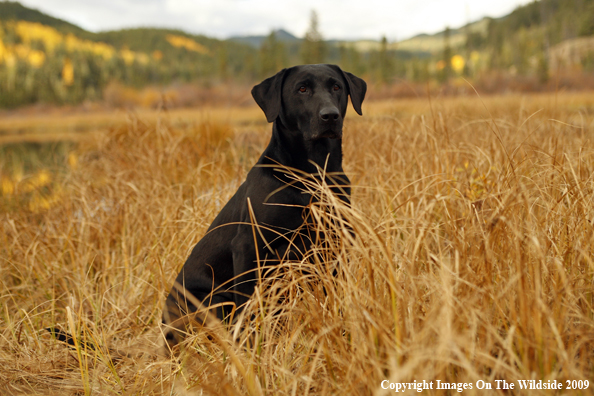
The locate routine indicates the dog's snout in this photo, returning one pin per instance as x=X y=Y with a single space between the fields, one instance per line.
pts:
x=329 y=114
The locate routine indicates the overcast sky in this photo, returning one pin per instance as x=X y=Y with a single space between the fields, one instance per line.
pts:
x=338 y=19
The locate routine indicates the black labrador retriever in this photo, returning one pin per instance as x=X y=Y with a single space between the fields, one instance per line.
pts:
x=306 y=105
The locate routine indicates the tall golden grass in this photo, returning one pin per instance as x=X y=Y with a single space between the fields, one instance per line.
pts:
x=472 y=260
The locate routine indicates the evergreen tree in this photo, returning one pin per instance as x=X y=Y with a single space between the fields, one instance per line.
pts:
x=495 y=37
x=223 y=62
x=344 y=59
x=272 y=55
x=447 y=56
x=385 y=62
x=313 y=49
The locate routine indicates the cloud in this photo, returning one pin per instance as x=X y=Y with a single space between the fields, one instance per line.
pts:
x=339 y=19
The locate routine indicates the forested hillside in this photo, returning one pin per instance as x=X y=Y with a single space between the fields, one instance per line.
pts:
x=43 y=59
x=14 y=11
x=48 y=60
x=528 y=39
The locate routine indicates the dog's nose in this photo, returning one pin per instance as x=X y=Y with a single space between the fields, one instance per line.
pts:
x=329 y=114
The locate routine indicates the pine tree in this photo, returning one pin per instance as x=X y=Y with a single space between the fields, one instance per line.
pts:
x=385 y=64
x=447 y=56
x=272 y=55
x=313 y=49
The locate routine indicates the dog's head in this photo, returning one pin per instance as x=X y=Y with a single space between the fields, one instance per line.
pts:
x=310 y=99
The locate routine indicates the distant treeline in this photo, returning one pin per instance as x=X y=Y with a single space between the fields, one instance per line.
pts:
x=44 y=59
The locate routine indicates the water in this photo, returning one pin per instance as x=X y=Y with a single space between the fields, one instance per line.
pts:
x=17 y=160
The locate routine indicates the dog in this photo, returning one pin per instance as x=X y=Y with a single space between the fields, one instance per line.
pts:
x=264 y=220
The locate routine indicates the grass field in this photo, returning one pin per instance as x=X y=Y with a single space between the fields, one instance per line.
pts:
x=473 y=258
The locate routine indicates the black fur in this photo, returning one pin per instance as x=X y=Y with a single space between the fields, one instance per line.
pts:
x=307 y=105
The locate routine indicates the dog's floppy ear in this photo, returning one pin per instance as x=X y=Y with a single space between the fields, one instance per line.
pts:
x=357 y=90
x=268 y=95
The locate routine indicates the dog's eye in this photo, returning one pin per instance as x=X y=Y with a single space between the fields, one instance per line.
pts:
x=336 y=87
x=302 y=89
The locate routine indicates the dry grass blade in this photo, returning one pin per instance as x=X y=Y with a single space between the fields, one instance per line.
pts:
x=440 y=269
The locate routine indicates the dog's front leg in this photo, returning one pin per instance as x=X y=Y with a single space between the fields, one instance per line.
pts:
x=245 y=267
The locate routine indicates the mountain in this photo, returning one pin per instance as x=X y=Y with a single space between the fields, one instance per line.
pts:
x=257 y=41
x=15 y=11
x=45 y=59
x=548 y=21
x=434 y=43
x=138 y=39
x=155 y=39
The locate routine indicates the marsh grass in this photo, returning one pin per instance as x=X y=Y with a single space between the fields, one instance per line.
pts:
x=471 y=260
